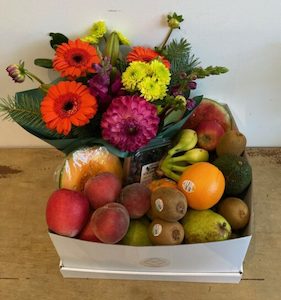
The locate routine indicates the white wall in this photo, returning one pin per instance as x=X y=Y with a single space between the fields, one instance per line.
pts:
x=243 y=35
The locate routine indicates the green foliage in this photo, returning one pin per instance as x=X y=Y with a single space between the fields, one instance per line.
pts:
x=26 y=112
x=202 y=73
x=121 y=65
x=44 y=63
x=178 y=53
x=57 y=39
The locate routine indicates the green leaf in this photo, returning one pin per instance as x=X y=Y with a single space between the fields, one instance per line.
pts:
x=172 y=129
x=178 y=53
x=57 y=39
x=25 y=110
x=44 y=63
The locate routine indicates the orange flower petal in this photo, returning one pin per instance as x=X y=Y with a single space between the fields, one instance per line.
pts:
x=63 y=105
x=66 y=62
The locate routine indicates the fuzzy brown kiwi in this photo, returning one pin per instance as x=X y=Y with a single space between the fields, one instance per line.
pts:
x=235 y=211
x=232 y=142
x=161 y=232
x=168 y=204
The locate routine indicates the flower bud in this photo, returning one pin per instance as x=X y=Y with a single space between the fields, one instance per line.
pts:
x=190 y=104
x=174 y=21
x=17 y=72
x=192 y=85
x=112 y=47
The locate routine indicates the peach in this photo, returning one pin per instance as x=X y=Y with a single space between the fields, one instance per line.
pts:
x=110 y=222
x=136 y=198
x=67 y=212
x=102 y=189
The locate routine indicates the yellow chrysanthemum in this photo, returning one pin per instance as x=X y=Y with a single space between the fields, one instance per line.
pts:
x=151 y=89
x=160 y=72
x=123 y=40
x=90 y=39
x=134 y=74
x=97 y=31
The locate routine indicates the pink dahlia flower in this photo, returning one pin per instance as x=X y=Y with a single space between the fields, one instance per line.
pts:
x=129 y=123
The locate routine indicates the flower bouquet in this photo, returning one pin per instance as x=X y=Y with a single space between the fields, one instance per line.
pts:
x=117 y=110
x=109 y=92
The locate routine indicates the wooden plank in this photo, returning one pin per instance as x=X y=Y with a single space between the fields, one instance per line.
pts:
x=29 y=263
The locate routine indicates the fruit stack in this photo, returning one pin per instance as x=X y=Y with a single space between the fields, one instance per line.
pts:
x=196 y=195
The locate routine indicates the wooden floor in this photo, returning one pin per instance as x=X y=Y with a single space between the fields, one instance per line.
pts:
x=29 y=263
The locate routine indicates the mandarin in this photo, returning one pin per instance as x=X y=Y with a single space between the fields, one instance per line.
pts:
x=162 y=182
x=203 y=185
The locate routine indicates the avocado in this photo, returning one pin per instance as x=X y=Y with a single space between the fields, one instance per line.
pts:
x=237 y=173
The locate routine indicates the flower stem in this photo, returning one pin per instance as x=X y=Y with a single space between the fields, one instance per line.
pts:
x=166 y=38
x=34 y=77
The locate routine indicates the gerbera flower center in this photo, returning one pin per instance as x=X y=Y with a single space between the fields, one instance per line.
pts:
x=77 y=57
x=67 y=105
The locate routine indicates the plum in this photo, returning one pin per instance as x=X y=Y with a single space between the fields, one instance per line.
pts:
x=136 y=198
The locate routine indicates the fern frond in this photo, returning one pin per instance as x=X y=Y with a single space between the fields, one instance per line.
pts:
x=178 y=53
x=177 y=49
x=6 y=105
x=25 y=113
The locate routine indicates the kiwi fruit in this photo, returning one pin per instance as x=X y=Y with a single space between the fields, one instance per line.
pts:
x=168 y=204
x=232 y=142
x=161 y=232
x=235 y=211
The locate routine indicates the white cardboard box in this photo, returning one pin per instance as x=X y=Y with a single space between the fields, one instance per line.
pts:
x=205 y=262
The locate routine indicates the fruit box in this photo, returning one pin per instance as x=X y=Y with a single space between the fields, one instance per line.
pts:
x=205 y=262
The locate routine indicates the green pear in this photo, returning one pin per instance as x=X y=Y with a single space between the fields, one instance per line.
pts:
x=137 y=234
x=201 y=226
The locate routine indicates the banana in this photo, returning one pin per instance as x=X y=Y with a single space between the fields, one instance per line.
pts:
x=172 y=167
x=192 y=156
x=187 y=140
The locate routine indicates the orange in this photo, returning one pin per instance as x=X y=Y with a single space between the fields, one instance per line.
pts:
x=162 y=182
x=203 y=185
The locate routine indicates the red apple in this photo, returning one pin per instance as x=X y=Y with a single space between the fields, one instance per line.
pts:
x=209 y=132
x=87 y=233
x=67 y=212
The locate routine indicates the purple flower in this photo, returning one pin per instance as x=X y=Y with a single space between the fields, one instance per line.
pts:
x=192 y=85
x=190 y=104
x=17 y=72
x=129 y=123
x=176 y=90
x=103 y=85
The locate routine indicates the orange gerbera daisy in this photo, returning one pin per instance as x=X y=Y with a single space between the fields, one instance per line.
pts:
x=67 y=103
x=75 y=59
x=146 y=55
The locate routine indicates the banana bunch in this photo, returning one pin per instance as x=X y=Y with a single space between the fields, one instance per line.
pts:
x=182 y=155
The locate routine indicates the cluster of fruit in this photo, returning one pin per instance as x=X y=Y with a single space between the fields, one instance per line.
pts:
x=199 y=197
